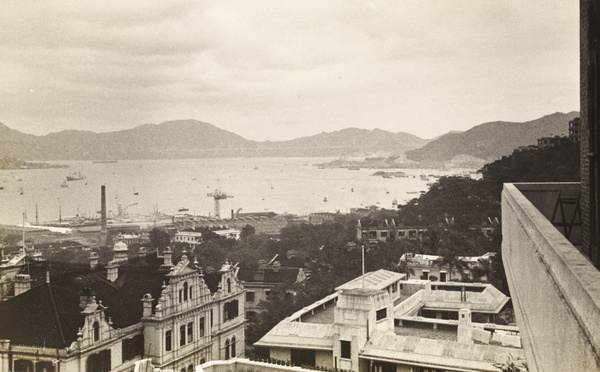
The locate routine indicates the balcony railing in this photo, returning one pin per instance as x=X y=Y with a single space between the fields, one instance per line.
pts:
x=555 y=289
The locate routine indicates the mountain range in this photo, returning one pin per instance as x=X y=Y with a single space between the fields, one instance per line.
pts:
x=195 y=139
x=490 y=141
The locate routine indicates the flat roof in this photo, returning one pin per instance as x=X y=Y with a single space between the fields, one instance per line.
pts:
x=379 y=279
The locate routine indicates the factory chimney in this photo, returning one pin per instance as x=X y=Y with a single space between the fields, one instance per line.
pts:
x=103 y=209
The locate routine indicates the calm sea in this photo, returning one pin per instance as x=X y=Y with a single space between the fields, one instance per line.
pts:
x=281 y=185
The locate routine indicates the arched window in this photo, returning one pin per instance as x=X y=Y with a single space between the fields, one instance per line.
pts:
x=190 y=292
x=183 y=370
x=228 y=285
x=185 y=291
x=202 y=360
x=96 y=329
x=226 y=349
x=233 y=347
x=190 y=368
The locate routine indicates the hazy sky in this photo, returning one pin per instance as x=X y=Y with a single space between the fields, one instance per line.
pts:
x=284 y=69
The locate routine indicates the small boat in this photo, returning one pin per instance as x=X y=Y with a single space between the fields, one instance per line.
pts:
x=325 y=200
x=75 y=176
x=135 y=192
x=64 y=184
x=21 y=191
x=182 y=210
x=395 y=202
x=412 y=192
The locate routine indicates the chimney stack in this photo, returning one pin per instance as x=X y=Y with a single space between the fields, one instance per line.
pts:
x=93 y=260
x=103 y=208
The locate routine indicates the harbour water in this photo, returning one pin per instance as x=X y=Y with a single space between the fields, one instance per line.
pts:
x=281 y=185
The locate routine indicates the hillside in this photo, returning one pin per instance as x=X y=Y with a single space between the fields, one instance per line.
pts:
x=192 y=139
x=491 y=141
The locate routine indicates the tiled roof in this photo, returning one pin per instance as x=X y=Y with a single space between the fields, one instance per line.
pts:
x=49 y=314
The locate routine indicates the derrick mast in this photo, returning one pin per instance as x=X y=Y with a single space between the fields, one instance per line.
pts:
x=218 y=195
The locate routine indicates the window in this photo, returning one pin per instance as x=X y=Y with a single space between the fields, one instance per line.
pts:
x=233 y=347
x=267 y=293
x=185 y=291
x=190 y=332
x=228 y=285
x=190 y=368
x=168 y=344
x=96 y=329
x=180 y=296
x=384 y=234
x=211 y=318
x=381 y=314
x=226 y=349
x=230 y=310
x=99 y=362
x=201 y=334
x=132 y=347
x=345 y=349
x=250 y=296
x=182 y=335
x=394 y=287
x=190 y=292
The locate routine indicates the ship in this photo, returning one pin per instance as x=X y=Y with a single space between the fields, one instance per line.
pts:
x=75 y=176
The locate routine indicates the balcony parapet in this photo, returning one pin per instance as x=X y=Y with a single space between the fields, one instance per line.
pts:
x=555 y=289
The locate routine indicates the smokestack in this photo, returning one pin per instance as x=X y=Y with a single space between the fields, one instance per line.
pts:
x=232 y=217
x=103 y=208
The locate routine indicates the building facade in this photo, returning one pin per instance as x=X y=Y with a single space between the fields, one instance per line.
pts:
x=109 y=317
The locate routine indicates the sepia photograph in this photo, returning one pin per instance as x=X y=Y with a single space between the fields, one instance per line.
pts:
x=295 y=186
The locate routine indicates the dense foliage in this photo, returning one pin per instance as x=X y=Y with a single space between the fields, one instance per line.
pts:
x=558 y=163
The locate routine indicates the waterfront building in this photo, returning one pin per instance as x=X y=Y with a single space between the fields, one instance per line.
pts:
x=192 y=238
x=108 y=318
x=383 y=322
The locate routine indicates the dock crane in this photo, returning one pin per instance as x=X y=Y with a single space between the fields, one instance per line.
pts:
x=218 y=195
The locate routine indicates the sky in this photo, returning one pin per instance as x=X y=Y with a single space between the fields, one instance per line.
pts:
x=277 y=70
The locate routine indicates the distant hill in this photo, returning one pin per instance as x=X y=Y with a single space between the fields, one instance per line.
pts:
x=346 y=142
x=491 y=141
x=192 y=139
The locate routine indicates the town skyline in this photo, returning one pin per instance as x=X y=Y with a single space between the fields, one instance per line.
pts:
x=273 y=71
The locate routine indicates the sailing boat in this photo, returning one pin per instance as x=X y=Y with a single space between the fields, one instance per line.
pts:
x=135 y=192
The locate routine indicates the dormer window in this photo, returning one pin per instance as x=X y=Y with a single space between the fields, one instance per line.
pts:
x=96 y=331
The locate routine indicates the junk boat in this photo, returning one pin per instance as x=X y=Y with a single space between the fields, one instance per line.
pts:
x=75 y=176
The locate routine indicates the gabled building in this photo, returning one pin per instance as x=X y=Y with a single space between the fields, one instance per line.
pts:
x=259 y=283
x=108 y=318
x=382 y=322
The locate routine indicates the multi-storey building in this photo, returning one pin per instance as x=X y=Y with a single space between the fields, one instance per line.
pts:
x=383 y=322
x=550 y=240
x=110 y=317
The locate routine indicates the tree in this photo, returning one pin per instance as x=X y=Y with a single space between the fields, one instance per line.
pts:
x=247 y=232
x=159 y=238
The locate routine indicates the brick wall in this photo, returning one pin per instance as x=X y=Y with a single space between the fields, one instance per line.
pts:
x=590 y=112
